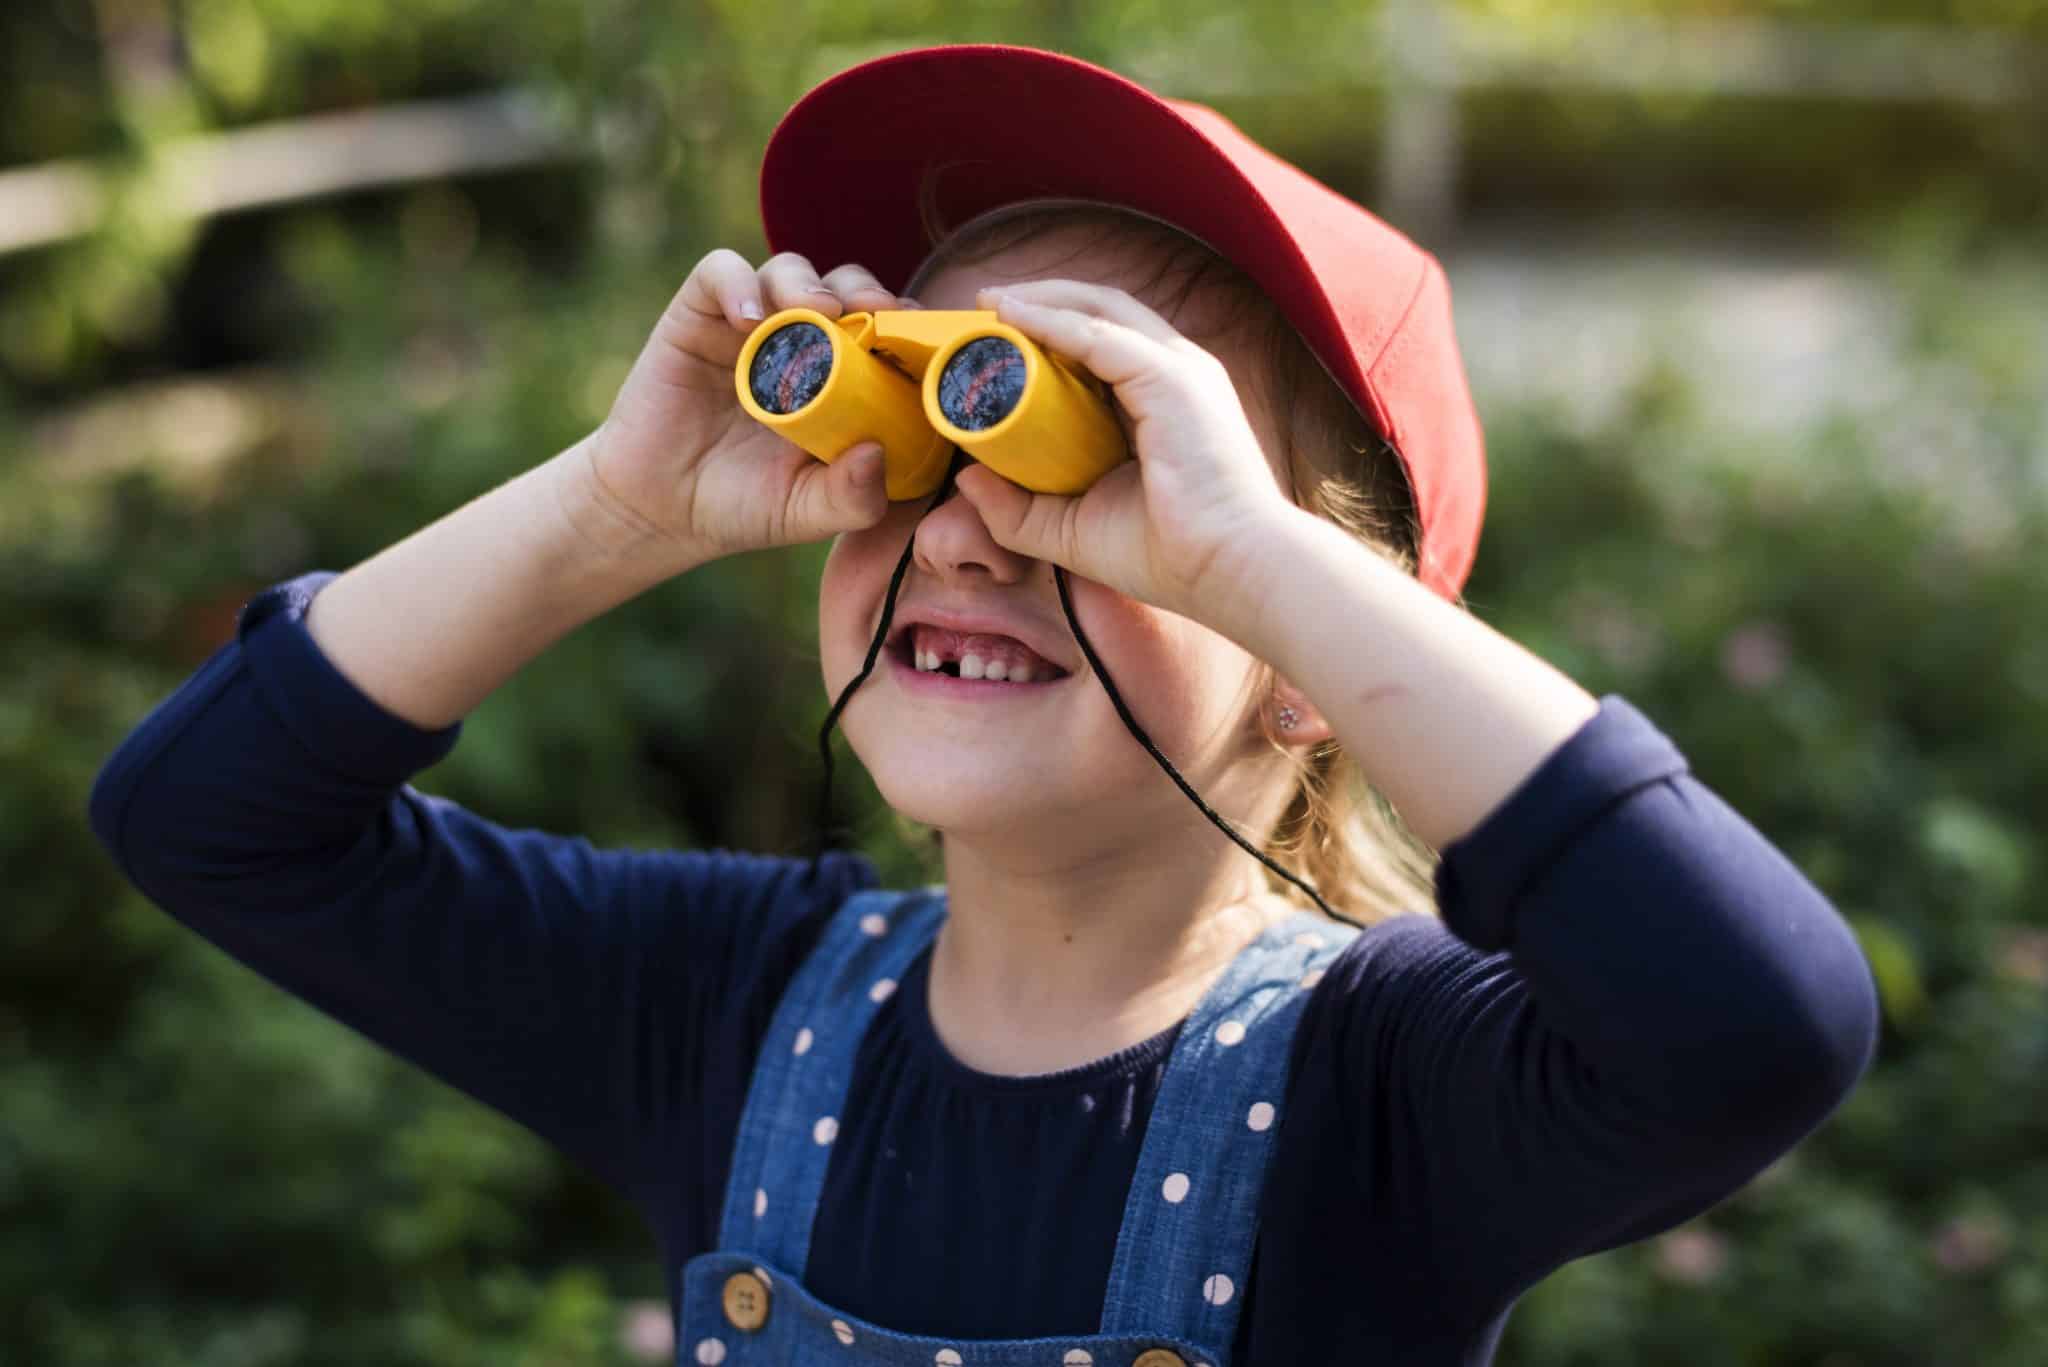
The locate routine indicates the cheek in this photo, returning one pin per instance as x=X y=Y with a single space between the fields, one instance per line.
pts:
x=1171 y=672
x=850 y=592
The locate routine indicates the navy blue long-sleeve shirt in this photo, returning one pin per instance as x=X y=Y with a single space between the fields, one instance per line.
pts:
x=1632 y=1004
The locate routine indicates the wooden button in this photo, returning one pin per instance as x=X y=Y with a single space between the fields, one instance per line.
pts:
x=1160 y=1357
x=746 y=1301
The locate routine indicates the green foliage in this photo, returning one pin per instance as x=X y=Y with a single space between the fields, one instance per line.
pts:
x=1840 y=627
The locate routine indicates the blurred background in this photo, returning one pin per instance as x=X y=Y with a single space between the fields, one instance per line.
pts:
x=1754 y=300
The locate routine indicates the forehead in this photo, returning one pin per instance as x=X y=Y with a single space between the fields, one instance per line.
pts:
x=1205 y=305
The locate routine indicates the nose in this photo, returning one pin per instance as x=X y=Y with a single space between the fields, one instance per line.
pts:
x=952 y=542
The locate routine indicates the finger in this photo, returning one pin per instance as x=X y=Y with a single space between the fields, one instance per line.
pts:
x=1038 y=525
x=859 y=289
x=846 y=495
x=1100 y=301
x=724 y=284
x=1112 y=351
x=790 y=280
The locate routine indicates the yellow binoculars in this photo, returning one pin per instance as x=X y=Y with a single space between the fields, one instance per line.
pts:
x=923 y=381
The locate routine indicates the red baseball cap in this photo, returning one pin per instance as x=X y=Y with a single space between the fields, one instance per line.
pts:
x=996 y=124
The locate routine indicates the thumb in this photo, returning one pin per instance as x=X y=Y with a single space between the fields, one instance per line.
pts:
x=847 y=495
x=1037 y=525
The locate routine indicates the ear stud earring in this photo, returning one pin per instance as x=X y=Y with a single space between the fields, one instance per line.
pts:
x=1288 y=718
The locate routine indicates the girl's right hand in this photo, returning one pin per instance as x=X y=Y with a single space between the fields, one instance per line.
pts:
x=678 y=459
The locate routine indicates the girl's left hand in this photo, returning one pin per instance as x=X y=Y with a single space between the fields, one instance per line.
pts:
x=1179 y=526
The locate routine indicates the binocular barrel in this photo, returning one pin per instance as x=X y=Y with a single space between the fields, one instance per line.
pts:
x=922 y=382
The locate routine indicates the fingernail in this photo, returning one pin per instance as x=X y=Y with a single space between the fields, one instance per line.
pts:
x=750 y=309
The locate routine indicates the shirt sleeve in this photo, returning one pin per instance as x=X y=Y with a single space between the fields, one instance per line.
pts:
x=1634 y=1003
x=610 y=1000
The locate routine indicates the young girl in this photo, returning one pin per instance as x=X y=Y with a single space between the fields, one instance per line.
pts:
x=1107 y=1095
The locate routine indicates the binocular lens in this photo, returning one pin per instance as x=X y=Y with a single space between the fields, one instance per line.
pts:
x=790 y=367
x=982 y=383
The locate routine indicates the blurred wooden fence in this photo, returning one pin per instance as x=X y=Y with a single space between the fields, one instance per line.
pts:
x=1419 y=55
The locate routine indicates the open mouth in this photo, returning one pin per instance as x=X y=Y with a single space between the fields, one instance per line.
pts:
x=976 y=656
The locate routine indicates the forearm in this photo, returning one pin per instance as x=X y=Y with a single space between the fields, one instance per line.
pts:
x=1444 y=715
x=429 y=627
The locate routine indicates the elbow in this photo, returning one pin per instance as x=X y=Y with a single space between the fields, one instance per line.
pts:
x=1835 y=1050
x=106 y=808
x=1814 y=1050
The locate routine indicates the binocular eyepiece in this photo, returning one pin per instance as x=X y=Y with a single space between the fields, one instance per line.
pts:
x=922 y=382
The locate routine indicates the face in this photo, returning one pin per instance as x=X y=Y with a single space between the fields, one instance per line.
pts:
x=1047 y=763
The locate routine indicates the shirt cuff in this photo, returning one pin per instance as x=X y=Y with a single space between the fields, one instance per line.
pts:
x=1482 y=875
x=311 y=699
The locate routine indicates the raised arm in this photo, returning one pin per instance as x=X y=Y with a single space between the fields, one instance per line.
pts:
x=1677 y=1003
x=595 y=995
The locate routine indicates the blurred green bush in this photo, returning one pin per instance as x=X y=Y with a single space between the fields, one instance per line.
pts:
x=1839 y=626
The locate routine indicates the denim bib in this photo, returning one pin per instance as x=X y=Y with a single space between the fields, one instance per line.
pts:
x=1190 y=1219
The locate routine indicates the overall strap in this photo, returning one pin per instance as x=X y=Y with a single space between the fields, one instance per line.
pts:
x=1191 y=1217
x=806 y=1061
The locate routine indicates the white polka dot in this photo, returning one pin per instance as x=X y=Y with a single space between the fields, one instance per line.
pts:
x=1218 y=1290
x=827 y=1128
x=762 y=1273
x=711 y=1352
x=1078 y=1357
x=804 y=1040
x=874 y=923
x=1309 y=939
x=881 y=990
x=760 y=1202
x=1312 y=977
x=842 y=1331
x=1175 y=1188
x=1230 y=1032
x=946 y=1357
x=1260 y=1117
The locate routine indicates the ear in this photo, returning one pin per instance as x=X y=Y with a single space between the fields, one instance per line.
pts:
x=1309 y=727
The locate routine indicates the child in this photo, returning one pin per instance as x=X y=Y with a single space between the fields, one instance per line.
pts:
x=1104 y=1096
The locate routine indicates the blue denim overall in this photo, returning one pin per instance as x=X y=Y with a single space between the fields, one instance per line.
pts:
x=1185 y=1247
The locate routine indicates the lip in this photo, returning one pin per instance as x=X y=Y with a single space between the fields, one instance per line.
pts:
x=974 y=623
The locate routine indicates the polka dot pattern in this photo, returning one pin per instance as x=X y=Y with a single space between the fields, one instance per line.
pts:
x=827 y=1129
x=804 y=1040
x=882 y=991
x=1218 y=1290
x=874 y=924
x=760 y=1202
x=711 y=1352
x=1261 y=1115
x=946 y=1357
x=842 y=1331
x=1078 y=1357
x=1175 y=1188
x=1229 y=1033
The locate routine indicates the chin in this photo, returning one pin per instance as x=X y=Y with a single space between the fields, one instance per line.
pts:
x=965 y=804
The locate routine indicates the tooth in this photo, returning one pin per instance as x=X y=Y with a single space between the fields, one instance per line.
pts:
x=1020 y=674
x=995 y=669
x=970 y=666
x=928 y=660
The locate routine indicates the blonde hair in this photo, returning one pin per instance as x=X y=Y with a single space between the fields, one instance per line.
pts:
x=1337 y=833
